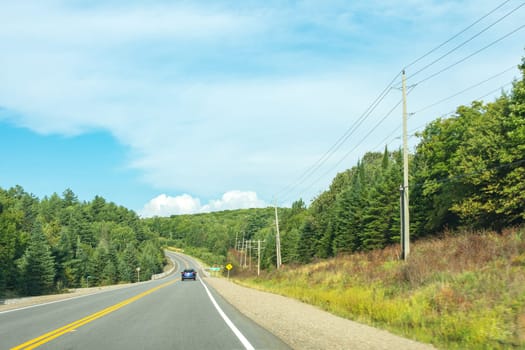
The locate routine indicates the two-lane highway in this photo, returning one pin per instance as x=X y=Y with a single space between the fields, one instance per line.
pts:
x=163 y=314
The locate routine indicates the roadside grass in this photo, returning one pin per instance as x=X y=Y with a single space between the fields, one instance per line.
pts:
x=464 y=291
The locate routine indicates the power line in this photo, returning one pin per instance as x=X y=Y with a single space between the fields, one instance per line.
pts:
x=388 y=139
x=466 y=89
x=286 y=195
x=471 y=55
x=310 y=171
x=358 y=144
x=466 y=41
x=460 y=61
x=286 y=191
x=456 y=35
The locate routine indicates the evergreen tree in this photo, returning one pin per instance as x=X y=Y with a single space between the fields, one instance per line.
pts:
x=12 y=240
x=37 y=266
x=128 y=263
x=70 y=198
x=150 y=260
x=306 y=246
x=324 y=211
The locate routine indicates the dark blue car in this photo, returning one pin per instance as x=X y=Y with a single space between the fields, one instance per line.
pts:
x=188 y=274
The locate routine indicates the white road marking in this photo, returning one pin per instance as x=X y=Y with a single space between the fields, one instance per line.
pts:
x=230 y=324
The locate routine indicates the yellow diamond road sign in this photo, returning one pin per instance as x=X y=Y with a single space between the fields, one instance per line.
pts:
x=229 y=266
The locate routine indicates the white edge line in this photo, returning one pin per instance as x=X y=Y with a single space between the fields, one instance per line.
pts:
x=77 y=297
x=51 y=302
x=71 y=298
x=230 y=324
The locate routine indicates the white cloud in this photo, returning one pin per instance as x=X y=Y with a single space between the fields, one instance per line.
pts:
x=164 y=205
x=234 y=200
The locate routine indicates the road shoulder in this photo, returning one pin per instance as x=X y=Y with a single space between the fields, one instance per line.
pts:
x=18 y=303
x=303 y=326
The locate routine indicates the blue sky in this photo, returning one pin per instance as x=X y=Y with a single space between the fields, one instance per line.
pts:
x=171 y=107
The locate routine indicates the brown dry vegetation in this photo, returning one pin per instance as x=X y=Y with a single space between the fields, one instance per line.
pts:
x=463 y=291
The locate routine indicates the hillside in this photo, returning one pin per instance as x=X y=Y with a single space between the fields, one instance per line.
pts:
x=464 y=291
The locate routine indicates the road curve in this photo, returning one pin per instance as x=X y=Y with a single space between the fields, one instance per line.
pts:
x=161 y=314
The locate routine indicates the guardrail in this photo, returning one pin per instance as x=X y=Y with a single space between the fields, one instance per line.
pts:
x=167 y=273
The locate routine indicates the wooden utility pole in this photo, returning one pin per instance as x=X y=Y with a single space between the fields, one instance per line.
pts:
x=405 y=220
x=277 y=238
x=250 y=255
x=241 y=250
x=245 y=253
x=258 y=257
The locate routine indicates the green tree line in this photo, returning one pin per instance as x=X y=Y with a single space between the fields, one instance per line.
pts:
x=209 y=236
x=59 y=242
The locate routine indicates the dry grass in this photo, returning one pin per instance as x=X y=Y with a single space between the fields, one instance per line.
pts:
x=463 y=291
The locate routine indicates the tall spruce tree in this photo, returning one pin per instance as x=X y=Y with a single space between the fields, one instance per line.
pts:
x=306 y=246
x=37 y=266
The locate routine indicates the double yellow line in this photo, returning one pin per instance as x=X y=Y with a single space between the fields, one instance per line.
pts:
x=47 y=337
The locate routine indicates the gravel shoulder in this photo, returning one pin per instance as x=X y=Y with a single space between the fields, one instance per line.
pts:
x=303 y=326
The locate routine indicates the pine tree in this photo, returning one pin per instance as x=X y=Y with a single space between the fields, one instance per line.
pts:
x=306 y=246
x=37 y=266
x=127 y=263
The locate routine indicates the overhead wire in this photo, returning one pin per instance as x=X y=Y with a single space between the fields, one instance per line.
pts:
x=462 y=60
x=465 y=58
x=359 y=143
x=466 y=89
x=465 y=42
x=471 y=55
x=457 y=34
x=283 y=193
x=388 y=139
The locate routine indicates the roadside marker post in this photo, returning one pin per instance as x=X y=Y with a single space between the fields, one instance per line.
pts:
x=229 y=267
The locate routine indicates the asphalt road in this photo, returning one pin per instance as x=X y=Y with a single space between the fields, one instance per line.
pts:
x=162 y=314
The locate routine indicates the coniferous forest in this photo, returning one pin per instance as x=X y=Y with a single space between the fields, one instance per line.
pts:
x=54 y=243
x=467 y=172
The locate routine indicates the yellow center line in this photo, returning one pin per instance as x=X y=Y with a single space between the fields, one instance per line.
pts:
x=47 y=337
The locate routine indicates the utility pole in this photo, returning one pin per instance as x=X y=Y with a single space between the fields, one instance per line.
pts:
x=405 y=220
x=243 y=253
x=250 y=255
x=258 y=257
x=241 y=245
x=277 y=238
